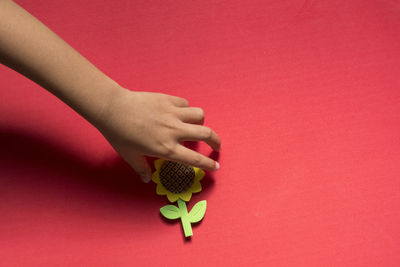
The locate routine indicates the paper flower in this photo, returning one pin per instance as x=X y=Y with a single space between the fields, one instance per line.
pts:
x=176 y=180
x=179 y=181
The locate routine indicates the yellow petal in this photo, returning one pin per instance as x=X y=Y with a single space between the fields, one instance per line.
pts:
x=172 y=197
x=199 y=173
x=160 y=190
x=196 y=187
x=156 y=177
x=186 y=195
x=158 y=163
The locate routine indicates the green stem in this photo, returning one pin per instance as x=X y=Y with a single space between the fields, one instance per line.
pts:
x=187 y=227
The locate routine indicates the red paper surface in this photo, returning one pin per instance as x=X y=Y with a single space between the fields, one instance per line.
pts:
x=304 y=94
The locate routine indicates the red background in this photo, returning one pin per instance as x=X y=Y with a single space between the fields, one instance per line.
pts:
x=304 y=94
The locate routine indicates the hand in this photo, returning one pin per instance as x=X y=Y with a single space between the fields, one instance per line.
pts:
x=134 y=123
x=153 y=124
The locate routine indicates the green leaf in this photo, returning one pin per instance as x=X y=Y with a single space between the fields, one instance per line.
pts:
x=170 y=212
x=198 y=211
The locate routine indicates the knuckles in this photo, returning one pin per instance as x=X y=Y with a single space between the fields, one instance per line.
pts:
x=197 y=160
x=185 y=103
x=167 y=149
x=200 y=113
x=206 y=133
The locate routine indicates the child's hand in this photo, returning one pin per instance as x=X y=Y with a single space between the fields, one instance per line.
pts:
x=140 y=123
x=135 y=123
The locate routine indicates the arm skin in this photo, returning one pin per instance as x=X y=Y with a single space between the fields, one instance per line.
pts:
x=134 y=123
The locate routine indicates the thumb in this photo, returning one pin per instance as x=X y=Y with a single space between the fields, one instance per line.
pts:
x=141 y=166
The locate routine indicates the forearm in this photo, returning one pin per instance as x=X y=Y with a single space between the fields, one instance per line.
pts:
x=30 y=48
x=135 y=123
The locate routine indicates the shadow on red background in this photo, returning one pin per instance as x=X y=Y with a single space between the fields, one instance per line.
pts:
x=27 y=152
x=33 y=163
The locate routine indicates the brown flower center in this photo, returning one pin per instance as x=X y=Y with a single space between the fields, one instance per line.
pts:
x=176 y=177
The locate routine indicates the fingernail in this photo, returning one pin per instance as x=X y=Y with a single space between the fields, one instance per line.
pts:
x=145 y=178
x=216 y=166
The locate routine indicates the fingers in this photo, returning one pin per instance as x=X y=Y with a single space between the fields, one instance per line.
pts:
x=179 y=101
x=141 y=167
x=191 y=115
x=187 y=156
x=193 y=132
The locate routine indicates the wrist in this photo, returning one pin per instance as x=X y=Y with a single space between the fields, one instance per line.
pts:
x=103 y=103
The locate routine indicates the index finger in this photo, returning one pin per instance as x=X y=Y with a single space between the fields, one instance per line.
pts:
x=194 y=132
x=192 y=158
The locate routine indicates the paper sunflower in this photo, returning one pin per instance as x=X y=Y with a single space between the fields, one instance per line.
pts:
x=176 y=180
